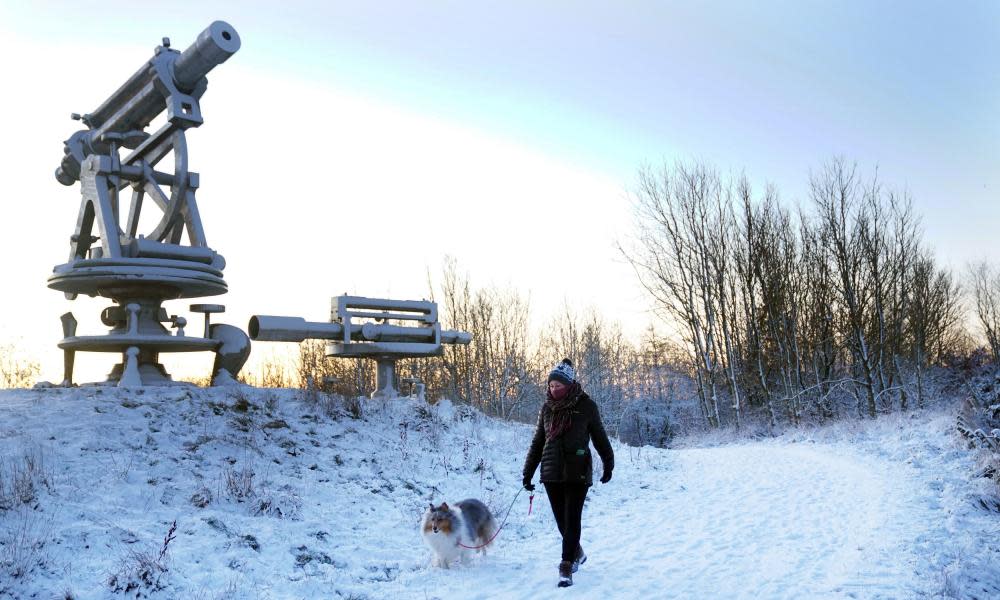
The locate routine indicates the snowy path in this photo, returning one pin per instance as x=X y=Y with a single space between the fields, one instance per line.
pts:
x=775 y=522
x=731 y=522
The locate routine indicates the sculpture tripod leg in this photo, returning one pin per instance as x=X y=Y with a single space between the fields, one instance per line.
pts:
x=69 y=356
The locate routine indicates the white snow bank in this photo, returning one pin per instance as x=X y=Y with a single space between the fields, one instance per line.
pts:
x=282 y=495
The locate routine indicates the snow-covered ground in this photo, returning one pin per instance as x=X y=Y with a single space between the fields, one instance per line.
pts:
x=276 y=494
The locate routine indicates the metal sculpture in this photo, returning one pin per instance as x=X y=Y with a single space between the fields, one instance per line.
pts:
x=367 y=328
x=140 y=268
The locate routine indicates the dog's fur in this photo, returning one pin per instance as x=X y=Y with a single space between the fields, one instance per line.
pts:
x=469 y=523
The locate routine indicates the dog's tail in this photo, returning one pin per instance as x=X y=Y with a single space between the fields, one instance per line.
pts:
x=488 y=531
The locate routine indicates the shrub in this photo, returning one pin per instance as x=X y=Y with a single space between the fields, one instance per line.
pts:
x=143 y=569
x=15 y=370
x=21 y=477
x=239 y=483
x=22 y=541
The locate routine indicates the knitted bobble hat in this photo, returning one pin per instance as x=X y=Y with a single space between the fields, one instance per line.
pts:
x=563 y=372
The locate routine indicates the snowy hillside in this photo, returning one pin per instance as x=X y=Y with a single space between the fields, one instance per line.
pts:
x=276 y=494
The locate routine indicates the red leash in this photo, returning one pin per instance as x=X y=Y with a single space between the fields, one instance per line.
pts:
x=531 y=500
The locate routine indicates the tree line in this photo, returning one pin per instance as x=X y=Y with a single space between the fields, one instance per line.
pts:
x=835 y=307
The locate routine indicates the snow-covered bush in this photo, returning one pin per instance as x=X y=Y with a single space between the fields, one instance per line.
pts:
x=23 y=532
x=979 y=422
x=239 y=482
x=21 y=477
x=244 y=486
x=332 y=405
x=282 y=502
x=645 y=423
x=142 y=569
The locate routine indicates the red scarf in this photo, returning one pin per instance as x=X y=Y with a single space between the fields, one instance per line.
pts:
x=562 y=417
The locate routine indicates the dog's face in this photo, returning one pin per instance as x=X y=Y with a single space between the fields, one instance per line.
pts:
x=439 y=519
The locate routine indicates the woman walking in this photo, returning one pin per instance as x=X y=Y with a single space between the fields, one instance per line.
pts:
x=567 y=423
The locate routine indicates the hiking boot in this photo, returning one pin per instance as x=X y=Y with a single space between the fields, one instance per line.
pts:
x=565 y=573
x=580 y=558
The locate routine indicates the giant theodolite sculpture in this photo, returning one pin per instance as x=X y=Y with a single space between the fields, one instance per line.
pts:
x=367 y=328
x=140 y=268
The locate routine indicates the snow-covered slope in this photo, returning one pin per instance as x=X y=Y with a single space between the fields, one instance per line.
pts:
x=276 y=494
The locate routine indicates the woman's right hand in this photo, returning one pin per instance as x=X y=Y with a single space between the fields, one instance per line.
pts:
x=527 y=484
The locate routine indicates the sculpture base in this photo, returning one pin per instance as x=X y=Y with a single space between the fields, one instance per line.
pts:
x=139 y=286
x=150 y=374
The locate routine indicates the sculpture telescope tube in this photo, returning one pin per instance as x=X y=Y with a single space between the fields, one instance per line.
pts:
x=140 y=99
x=266 y=328
x=213 y=47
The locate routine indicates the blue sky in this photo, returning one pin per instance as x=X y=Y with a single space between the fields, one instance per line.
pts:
x=773 y=87
x=542 y=109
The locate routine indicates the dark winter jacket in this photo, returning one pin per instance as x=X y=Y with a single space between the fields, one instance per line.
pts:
x=566 y=458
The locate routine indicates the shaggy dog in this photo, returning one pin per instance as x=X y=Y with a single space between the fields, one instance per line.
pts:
x=451 y=531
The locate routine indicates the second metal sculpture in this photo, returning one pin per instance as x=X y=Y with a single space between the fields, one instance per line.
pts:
x=368 y=328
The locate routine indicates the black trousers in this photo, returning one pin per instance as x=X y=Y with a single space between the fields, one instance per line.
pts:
x=567 y=507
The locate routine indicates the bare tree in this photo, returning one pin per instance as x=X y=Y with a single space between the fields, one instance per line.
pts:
x=934 y=317
x=837 y=195
x=494 y=371
x=984 y=285
x=670 y=258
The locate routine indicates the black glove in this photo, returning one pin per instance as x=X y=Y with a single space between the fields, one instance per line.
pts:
x=527 y=484
x=607 y=476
